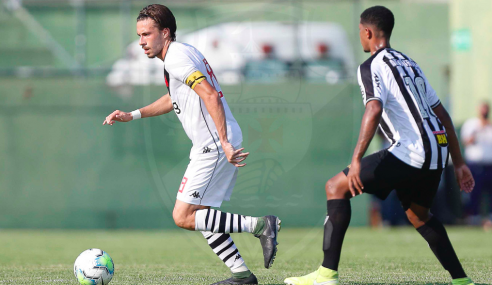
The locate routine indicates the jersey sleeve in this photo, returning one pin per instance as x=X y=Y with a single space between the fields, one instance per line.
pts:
x=372 y=83
x=182 y=68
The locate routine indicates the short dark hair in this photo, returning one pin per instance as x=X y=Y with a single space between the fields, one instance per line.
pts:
x=379 y=16
x=161 y=15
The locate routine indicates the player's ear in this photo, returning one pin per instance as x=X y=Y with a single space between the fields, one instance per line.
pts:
x=166 y=32
x=369 y=33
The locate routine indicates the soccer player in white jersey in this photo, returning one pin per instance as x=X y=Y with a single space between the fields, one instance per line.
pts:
x=399 y=99
x=196 y=98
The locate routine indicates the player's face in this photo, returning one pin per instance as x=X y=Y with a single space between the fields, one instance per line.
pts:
x=364 y=39
x=151 y=38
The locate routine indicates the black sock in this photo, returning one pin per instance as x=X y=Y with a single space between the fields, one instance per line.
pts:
x=337 y=222
x=437 y=238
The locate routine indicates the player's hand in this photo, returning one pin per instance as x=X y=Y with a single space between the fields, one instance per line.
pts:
x=464 y=178
x=118 y=116
x=235 y=156
x=353 y=176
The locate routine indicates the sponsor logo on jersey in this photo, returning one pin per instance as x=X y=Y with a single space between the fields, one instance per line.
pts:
x=441 y=138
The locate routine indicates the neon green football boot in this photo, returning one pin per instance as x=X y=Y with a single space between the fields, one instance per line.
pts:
x=463 y=281
x=322 y=276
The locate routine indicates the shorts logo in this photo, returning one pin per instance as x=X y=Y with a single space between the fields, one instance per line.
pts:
x=182 y=186
x=206 y=149
x=441 y=138
x=195 y=194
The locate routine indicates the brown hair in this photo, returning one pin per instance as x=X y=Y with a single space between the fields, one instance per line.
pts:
x=162 y=16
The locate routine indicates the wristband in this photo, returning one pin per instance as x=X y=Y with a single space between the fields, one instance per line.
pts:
x=136 y=114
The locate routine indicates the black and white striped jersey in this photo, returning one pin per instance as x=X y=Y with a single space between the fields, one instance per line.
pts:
x=417 y=136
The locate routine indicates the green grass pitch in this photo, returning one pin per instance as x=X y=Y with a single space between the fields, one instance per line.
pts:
x=388 y=256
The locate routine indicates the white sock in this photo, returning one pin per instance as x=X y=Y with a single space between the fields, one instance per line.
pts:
x=215 y=221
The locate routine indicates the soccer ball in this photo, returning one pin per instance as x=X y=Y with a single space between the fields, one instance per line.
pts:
x=93 y=267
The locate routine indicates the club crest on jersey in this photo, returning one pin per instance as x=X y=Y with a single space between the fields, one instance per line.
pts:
x=441 y=138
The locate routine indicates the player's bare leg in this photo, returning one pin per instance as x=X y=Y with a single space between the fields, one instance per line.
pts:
x=184 y=214
x=338 y=188
x=435 y=234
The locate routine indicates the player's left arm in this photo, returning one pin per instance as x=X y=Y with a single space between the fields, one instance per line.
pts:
x=369 y=125
x=463 y=173
x=215 y=108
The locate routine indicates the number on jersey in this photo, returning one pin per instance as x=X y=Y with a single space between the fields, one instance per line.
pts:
x=212 y=76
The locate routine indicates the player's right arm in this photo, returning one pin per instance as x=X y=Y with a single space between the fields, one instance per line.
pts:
x=374 y=92
x=463 y=173
x=369 y=125
x=161 y=106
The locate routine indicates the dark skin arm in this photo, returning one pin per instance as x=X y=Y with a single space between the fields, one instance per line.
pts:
x=463 y=173
x=369 y=125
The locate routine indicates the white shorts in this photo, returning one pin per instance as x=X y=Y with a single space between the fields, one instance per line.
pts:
x=208 y=180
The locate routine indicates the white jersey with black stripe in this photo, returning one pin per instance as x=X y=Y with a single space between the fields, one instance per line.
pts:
x=181 y=61
x=417 y=136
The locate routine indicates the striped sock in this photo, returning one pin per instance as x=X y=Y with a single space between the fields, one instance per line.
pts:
x=226 y=250
x=215 y=221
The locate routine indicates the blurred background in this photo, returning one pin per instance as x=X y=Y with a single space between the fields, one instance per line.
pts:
x=287 y=69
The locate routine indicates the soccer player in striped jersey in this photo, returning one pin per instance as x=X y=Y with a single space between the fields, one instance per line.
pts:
x=399 y=99
x=196 y=98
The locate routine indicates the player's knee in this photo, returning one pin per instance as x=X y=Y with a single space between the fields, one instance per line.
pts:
x=179 y=219
x=331 y=188
x=417 y=220
x=418 y=215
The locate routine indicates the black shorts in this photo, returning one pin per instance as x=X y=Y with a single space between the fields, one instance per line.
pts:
x=382 y=173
